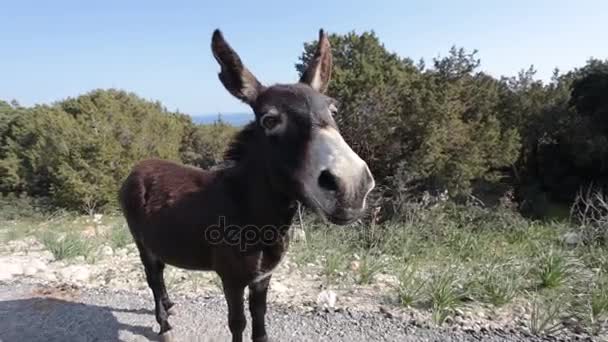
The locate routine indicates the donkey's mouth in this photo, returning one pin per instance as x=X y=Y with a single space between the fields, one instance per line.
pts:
x=326 y=216
x=341 y=221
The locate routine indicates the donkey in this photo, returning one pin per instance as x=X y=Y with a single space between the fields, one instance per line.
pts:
x=234 y=220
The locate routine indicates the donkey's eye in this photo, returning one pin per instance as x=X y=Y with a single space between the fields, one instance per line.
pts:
x=333 y=109
x=270 y=121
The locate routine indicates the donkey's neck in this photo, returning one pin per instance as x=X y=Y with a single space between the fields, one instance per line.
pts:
x=263 y=202
x=258 y=191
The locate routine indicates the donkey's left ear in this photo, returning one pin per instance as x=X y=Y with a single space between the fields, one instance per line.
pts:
x=237 y=79
x=318 y=73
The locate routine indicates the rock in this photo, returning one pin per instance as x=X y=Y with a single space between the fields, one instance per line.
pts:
x=30 y=271
x=327 y=299
x=9 y=269
x=38 y=265
x=89 y=232
x=75 y=273
x=79 y=259
x=48 y=276
x=571 y=239
x=278 y=287
x=105 y=251
x=46 y=256
x=386 y=278
x=122 y=252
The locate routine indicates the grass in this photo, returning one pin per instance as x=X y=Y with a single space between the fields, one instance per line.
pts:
x=499 y=283
x=67 y=246
x=441 y=257
x=333 y=265
x=369 y=266
x=445 y=295
x=555 y=269
x=411 y=286
x=119 y=236
x=545 y=315
x=446 y=256
x=598 y=307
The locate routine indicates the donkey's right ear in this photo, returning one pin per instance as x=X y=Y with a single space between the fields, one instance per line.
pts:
x=239 y=81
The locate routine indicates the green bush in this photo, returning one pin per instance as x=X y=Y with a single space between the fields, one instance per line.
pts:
x=77 y=151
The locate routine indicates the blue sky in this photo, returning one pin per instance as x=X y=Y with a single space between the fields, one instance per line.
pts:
x=50 y=50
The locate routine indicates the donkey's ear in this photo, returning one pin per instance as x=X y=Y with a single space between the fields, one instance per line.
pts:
x=239 y=81
x=318 y=73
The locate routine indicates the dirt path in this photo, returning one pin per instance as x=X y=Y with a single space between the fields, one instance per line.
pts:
x=38 y=313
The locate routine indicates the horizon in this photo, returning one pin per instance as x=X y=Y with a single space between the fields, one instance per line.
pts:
x=52 y=51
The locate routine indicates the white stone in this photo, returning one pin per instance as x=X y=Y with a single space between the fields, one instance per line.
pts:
x=75 y=273
x=38 y=264
x=46 y=256
x=9 y=269
x=571 y=239
x=327 y=299
x=79 y=259
x=30 y=271
x=105 y=251
x=278 y=287
x=48 y=276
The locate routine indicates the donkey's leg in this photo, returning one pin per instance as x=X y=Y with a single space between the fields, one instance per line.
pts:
x=257 y=307
x=167 y=303
x=236 y=312
x=154 y=275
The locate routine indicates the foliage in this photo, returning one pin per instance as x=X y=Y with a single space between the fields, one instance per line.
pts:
x=77 y=151
x=204 y=145
x=66 y=246
x=448 y=128
x=440 y=125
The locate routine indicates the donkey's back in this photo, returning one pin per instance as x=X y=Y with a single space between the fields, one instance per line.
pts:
x=161 y=201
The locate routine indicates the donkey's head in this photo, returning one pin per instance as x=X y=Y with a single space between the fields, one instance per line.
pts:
x=300 y=141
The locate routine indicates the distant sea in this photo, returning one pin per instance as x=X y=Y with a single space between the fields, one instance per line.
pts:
x=234 y=119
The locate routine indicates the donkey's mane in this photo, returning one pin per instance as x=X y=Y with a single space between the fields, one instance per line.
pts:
x=241 y=144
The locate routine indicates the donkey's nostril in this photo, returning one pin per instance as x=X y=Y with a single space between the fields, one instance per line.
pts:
x=328 y=181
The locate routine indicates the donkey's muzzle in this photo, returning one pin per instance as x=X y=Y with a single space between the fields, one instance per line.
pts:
x=350 y=195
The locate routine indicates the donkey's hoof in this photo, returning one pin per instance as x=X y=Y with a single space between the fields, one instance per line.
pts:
x=168 y=304
x=167 y=336
x=261 y=339
x=171 y=310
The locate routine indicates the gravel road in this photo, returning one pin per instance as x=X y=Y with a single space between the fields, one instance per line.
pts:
x=34 y=313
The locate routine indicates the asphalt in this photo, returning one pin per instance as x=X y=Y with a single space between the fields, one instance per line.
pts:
x=34 y=313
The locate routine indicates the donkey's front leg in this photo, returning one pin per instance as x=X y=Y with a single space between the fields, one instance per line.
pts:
x=257 y=306
x=236 y=312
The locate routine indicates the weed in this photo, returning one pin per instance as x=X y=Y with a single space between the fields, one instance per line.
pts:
x=545 y=315
x=499 y=283
x=369 y=266
x=333 y=263
x=444 y=295
x=119 y=236
x=411 y=286
x=67 y=246
x=555 y=269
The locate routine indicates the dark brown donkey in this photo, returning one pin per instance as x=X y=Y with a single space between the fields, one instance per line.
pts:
x=234 y=220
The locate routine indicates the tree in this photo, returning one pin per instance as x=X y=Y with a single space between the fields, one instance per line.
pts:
x=78 y=151
x=436 y=128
